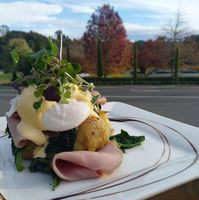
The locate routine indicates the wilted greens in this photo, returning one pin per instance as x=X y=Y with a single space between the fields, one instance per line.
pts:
x=125 y=141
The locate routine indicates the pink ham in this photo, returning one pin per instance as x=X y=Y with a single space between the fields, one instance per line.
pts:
x=19 y=140
x=77 y=165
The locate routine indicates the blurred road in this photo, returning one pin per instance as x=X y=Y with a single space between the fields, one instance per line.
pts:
x=177 y=102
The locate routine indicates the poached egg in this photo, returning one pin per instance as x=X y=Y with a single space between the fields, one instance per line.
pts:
x=52 y=116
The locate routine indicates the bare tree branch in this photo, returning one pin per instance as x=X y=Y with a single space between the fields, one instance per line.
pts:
x=176 y=28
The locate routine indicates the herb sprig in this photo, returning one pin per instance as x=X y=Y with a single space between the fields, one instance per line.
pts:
x=53 y=79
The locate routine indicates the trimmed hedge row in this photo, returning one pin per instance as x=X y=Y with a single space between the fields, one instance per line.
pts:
x=144 y=81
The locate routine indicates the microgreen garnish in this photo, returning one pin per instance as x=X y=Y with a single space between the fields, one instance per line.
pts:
x=50 y=72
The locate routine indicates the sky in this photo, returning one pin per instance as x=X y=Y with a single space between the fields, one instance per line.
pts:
x=143 y=19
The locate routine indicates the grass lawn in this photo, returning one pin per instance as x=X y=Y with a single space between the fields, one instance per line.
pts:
x=5 y=78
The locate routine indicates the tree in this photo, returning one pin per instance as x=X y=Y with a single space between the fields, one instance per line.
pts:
x=154 y=54
x=68 y=56
x=67 y=46
x=99 y=59
x=58 y=34
x=3 y=30
x=106 y=25
x=175 y=30
x=189 y=51
x=22 y=47
x=34 y=40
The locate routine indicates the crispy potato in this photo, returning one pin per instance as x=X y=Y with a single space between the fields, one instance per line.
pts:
x=93 y=134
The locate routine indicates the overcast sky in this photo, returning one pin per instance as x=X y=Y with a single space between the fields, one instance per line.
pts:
x=143 y=19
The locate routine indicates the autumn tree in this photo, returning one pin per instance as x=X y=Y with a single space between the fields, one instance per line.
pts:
x=107 y=27
x=189 y=51
x=99 y=59
x=154 y=54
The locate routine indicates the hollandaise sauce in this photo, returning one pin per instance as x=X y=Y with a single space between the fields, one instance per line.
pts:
x=30 y=126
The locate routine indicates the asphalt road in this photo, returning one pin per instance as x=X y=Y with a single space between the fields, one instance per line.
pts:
x=177 y=102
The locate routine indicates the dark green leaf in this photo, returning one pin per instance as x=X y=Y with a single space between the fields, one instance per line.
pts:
x=31 y=81
x=15 y=56
x=55 y=181
x=32 y=57
x=61 y=71
x=7 y=131
x=125 y=141
x=76 y=67
x=42 y=60
x=37 y=104
x=64 y=62
x=37 y=94
x=18 y=161
x=17 y=153
x=39 y=59
x=14 y=148
x=63 y=142
x=70 y=70
x=40 y=165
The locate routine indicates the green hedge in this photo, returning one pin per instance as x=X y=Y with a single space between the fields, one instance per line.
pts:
x=128 y=81
x=144 y=81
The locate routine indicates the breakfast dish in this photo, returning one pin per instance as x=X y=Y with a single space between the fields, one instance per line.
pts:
x=161 y=163
x=56 y=122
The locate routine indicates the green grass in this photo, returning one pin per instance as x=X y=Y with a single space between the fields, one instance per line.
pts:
x=5 y=78
x=120 y=75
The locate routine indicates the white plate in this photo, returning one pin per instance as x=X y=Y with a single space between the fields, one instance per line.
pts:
x=167 y=158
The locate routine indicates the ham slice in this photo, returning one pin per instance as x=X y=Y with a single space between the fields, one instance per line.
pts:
x=77 y=165
x=19 y=140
